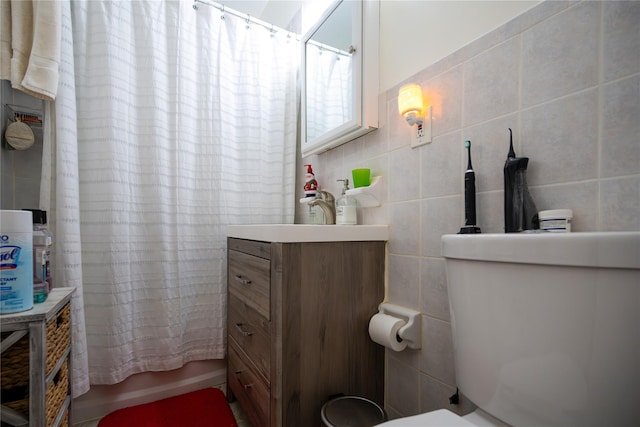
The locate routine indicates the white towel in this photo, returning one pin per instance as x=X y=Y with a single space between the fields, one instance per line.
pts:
x=5 y=40
x=30 y=46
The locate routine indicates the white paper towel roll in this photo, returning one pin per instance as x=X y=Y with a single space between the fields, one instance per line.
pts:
x=383 y=329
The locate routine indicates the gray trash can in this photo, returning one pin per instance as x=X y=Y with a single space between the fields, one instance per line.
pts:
x=352 y=411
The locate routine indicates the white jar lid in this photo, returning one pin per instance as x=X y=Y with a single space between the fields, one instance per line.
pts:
x=555 y=214
x=16 y=221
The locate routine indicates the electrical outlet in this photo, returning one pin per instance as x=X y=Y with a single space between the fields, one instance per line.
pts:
x=422 y=133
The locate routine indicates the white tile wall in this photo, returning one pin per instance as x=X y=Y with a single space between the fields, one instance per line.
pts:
x=565 y=76
x=560 y=54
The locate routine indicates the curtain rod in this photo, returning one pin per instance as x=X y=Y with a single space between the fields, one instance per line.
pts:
x=248 y=18
x=323 y=47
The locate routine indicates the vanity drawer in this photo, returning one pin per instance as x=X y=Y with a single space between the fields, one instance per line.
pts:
x=251 y=247
x=248 y=279
x=248 y=387
x=252 y=333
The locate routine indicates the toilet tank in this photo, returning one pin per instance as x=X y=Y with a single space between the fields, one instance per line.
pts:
x=546 y=327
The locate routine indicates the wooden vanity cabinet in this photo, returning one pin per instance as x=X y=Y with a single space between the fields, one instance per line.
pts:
x=298 y=316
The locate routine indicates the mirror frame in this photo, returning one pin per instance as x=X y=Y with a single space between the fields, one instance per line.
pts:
x=365 y=81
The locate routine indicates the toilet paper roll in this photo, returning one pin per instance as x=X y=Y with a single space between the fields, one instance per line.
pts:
x=383 y=329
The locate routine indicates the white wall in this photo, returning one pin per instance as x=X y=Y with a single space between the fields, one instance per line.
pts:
x=416 y=34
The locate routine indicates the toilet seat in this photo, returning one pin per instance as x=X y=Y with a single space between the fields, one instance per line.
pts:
x=440 y=418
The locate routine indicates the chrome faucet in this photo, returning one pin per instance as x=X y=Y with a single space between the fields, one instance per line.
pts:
x=328 y=204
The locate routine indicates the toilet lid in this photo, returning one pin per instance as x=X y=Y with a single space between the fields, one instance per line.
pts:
x=440 y=418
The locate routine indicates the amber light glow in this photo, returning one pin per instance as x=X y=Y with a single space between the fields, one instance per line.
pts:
x=410 y=103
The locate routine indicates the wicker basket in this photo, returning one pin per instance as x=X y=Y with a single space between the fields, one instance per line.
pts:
x=58 y=337
x=14 y=375
x=57 y=393
x=65 y=419
x=14 y=364
x=22 y=406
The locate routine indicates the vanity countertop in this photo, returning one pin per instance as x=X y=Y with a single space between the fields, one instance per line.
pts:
x=288 y=233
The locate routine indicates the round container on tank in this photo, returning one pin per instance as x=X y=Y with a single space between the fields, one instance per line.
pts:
x=16 y=261
x=556 y=220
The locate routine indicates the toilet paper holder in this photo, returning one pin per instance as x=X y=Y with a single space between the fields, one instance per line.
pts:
x=412 y=331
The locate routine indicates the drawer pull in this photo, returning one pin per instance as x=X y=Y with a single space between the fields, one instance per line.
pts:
x=242 y=331
x=244 y=386
x=242 y=280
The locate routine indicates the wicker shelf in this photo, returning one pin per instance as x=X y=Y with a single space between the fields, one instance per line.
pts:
x=34 y=369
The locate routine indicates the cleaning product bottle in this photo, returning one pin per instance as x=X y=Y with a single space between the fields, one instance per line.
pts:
x=310 y=183
x=346 y=207
x=520 y=212
x=42 y=246
x=16 y=280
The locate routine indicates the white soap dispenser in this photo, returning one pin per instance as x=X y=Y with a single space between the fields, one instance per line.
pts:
x=346 y=207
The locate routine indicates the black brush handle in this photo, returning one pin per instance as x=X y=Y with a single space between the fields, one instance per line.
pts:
x=469 y=198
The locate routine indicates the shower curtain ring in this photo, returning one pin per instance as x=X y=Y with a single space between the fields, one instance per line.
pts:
x=248 y=20
x=195 y=5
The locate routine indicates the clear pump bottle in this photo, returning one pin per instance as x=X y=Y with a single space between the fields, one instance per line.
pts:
x=42 y=246
x=346 y=212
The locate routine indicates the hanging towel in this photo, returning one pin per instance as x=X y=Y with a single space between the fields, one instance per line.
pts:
x=30 y=46
x=5 y=40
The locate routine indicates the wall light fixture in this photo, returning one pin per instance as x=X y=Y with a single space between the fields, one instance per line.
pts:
x=411 y=107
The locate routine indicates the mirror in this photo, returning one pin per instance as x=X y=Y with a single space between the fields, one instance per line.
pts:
x=340 y=76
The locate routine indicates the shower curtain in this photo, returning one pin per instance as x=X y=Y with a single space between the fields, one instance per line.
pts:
x=185 y=124
x=59 y=196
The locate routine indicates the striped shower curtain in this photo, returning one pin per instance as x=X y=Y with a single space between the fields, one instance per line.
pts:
x=186 y=123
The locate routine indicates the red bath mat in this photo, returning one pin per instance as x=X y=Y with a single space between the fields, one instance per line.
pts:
x=202 y=408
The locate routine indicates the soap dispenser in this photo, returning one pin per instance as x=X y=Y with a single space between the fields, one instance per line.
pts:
x=310 y=183
x=346 y=207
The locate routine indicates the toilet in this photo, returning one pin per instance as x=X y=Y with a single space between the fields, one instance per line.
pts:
x=546 y=329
